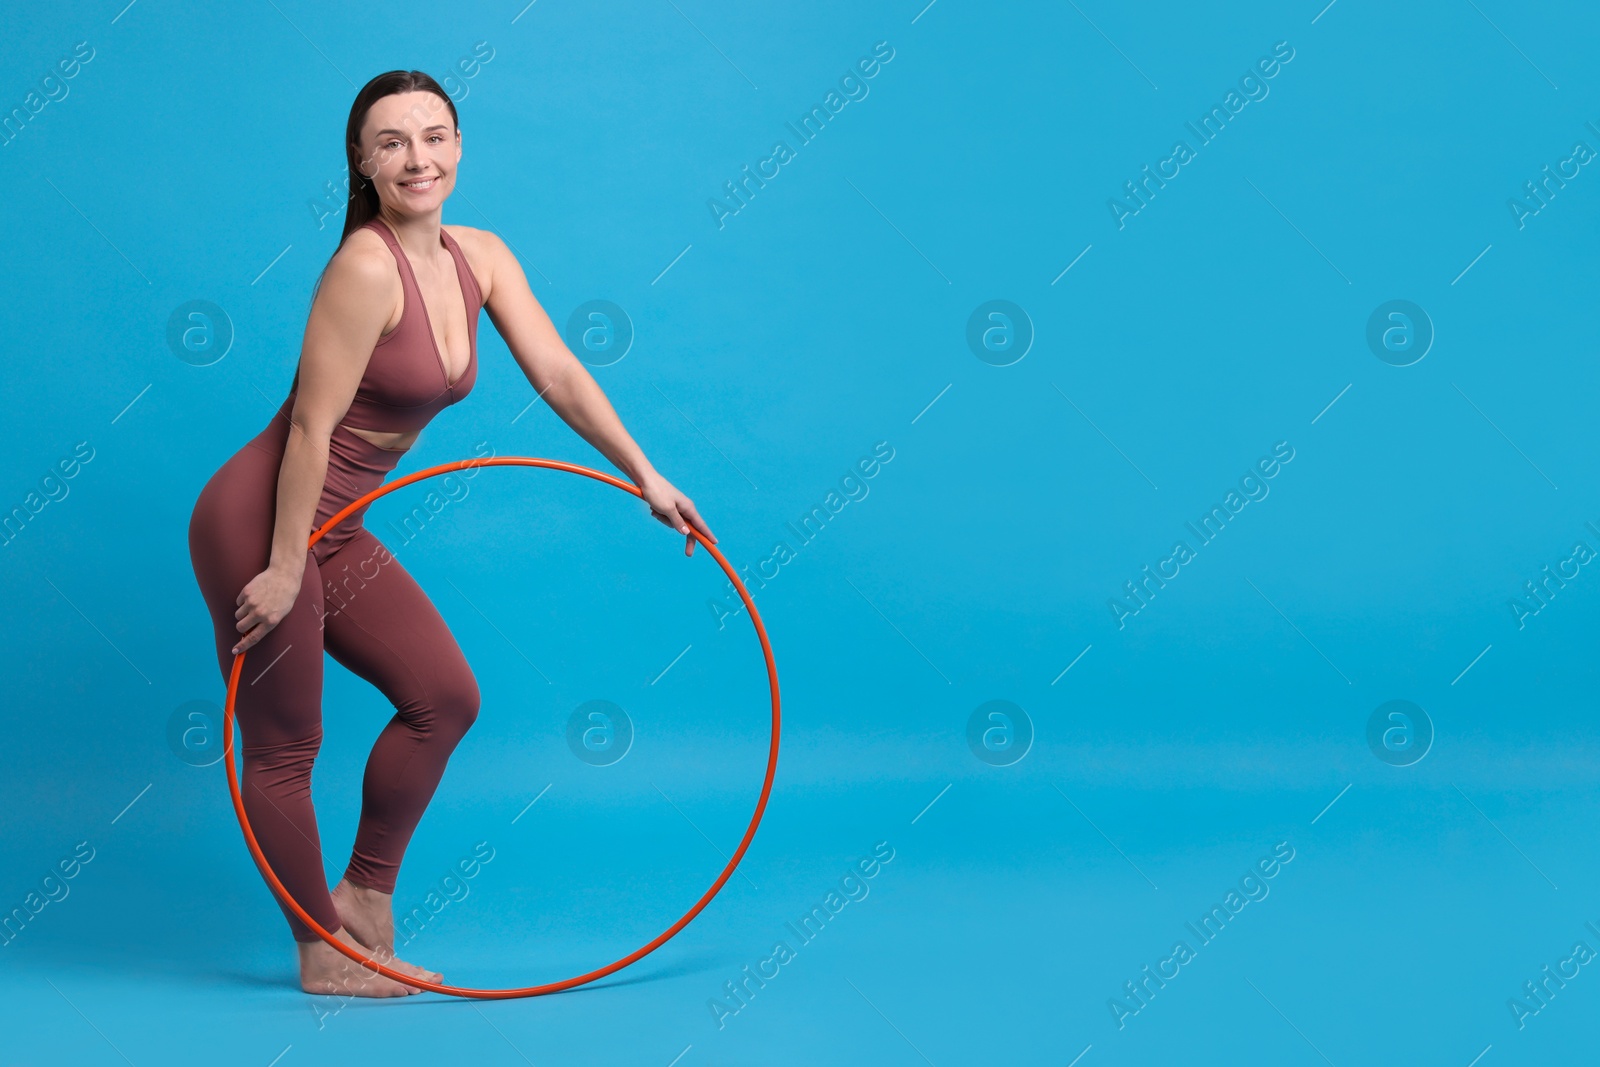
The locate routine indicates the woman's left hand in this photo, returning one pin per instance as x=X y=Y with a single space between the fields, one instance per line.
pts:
x=669 y=506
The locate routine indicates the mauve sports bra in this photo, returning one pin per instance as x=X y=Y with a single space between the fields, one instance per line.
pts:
x=406 y=384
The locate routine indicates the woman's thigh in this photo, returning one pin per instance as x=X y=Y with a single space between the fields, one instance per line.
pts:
x=279 y=697
x=381 y=625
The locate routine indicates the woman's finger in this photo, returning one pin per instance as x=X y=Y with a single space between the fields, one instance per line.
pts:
x=688 y=509
x=245 y=643
x=670 y=516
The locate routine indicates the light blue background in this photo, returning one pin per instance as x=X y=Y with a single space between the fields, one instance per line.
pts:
x=829 y=314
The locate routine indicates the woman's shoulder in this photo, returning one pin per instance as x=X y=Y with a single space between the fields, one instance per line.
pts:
x=472 y=238
x=483 y=248
x=363 y=261
x=364 y=243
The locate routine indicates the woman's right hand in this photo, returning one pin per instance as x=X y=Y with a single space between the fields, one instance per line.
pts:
x=266 y=599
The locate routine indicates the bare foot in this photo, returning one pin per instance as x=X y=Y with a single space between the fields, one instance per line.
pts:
x=324 y=969
x=368 y=916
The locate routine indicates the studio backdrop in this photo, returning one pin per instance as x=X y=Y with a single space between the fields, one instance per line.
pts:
x=1157 y=439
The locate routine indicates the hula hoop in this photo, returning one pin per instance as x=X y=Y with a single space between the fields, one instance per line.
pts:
x=567 y=983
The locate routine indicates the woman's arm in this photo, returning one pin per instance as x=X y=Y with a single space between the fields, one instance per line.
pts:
x=567 y=386
x=357 y=294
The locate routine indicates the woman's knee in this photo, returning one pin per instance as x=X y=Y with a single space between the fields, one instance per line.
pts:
x=292 y=757
x=463 y=701
x=452 y=704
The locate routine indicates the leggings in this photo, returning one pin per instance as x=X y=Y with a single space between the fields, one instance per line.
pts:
x=359 y=604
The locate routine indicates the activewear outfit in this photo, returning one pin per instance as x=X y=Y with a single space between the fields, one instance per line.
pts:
x=356 y=601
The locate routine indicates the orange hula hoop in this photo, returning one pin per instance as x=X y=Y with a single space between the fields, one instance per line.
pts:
x=549 y=987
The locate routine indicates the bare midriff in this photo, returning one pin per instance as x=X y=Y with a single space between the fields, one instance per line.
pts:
x=394 y=442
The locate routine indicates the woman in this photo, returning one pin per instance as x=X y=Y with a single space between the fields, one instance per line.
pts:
x=391 y=341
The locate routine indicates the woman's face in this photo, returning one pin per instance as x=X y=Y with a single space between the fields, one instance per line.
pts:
x=409 y=150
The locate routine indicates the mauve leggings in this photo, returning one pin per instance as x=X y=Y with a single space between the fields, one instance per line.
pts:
x=360 y=605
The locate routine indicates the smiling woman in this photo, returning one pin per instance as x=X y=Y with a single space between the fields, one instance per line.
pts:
x=390 y=342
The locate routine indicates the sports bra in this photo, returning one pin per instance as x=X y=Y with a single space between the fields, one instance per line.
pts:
x=405 y=384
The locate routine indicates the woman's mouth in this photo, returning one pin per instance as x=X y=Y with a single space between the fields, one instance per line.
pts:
x=420 y=185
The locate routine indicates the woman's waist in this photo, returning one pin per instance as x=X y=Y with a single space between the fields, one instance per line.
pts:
x=355 y=465
x=346 y=443
x=389 y=421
